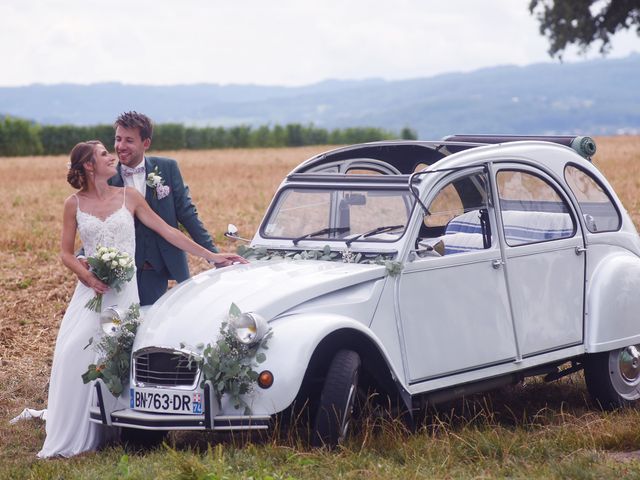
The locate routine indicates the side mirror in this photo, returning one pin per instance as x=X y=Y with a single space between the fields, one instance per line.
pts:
x=425 y=249
x=232 y=233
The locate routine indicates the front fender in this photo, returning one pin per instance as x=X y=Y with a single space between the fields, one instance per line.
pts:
x=290 y=349
x=613 y=303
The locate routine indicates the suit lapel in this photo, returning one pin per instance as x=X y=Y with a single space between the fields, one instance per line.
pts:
x=149 y=165
x=117 y=180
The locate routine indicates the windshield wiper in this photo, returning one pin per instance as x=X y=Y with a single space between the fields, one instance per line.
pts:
x=375 y=231
x=321 y=232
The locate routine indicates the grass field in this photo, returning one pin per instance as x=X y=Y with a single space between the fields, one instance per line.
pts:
x=533 y=430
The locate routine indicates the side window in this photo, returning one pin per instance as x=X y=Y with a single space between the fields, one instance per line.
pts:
x=598 y=210
x=457 y=220
x=532 y=210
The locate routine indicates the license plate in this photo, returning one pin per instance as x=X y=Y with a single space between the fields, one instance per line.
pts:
x=165 y=401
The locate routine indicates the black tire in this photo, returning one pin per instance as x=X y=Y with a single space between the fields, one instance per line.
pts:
x=337 y=399
x=138 y=439
x=613 y=378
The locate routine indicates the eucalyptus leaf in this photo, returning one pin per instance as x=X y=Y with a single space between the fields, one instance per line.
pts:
x=115 y=386
x=234 y=310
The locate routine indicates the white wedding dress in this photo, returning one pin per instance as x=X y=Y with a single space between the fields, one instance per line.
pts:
x=69 y=431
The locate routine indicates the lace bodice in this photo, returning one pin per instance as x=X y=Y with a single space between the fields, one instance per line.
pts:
x=117 y=230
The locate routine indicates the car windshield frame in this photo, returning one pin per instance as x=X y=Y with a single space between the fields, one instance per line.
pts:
x=333 y=185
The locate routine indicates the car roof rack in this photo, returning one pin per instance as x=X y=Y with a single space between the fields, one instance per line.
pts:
x=583 y=145
x=405 y=155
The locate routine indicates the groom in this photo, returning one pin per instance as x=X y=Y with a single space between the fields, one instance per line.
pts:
x=159 y=180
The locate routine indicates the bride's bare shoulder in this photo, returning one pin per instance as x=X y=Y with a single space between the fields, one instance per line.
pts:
x=133 y=194
x=71 y=200
x=132 y=191
x=70 y=206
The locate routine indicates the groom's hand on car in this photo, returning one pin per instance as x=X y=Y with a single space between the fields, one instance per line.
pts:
x=225 y=259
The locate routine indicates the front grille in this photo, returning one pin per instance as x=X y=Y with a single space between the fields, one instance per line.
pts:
x=164 y=368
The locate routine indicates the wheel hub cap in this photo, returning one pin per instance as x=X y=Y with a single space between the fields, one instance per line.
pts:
x=629 y=363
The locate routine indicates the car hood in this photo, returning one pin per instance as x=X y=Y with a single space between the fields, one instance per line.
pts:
x=193 y=311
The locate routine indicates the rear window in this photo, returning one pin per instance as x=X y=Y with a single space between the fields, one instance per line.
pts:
x=598 y=209
x=532 y=210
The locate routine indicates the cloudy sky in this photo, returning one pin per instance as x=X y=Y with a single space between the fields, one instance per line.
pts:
x=276 y=42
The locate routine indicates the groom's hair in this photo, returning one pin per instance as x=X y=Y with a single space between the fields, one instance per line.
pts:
x=137 y=120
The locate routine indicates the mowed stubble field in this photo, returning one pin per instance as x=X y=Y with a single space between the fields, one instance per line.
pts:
x=227 y=186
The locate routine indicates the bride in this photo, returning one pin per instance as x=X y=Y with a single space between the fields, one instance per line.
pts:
x=103 y=215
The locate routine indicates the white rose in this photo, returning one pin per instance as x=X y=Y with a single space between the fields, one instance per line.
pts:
x=114 y=264
x=157 y=181
x=105 y=257
x=123 y=262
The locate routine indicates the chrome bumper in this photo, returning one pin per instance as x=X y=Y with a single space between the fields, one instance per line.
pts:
x=209 y=420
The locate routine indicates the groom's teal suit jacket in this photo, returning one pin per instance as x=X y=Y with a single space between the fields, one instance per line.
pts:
x=176 y=208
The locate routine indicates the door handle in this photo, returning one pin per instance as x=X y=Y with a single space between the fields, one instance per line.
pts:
x=496 y=264
x=580 y=250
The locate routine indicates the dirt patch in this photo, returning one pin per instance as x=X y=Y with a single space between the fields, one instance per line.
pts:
x=625 y=457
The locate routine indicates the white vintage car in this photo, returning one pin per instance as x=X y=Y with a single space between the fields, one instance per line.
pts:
x=423 y=270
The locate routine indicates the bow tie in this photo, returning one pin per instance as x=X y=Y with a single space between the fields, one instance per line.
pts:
x=127 y=171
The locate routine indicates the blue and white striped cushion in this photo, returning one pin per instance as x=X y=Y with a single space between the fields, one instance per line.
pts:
x=464 y=233
x=466 y=223
x=462 y=242
x=528 y=227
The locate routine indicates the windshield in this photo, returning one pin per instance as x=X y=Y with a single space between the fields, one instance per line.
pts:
x=362 y=215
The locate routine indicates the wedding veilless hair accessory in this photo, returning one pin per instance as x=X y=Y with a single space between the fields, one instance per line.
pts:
x=80 y=154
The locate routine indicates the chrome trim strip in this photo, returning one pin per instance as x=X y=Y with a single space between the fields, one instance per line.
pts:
x=157 y=421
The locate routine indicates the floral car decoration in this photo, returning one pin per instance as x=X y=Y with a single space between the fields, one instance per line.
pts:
x=229 y=362
x=114 y=349
x=422 y=270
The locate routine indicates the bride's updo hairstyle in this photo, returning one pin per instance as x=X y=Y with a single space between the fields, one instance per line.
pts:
x=81 y=154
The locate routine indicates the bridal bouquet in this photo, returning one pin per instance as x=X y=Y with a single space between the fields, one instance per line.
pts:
x=113 y=267
x=114 y=352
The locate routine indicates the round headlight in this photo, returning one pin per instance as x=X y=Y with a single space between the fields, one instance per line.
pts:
x=110 y=318
x=249 y=328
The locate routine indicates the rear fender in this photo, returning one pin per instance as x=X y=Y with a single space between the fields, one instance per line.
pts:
x=613 y=303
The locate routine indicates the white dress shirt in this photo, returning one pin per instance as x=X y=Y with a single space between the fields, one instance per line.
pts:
x=137 y=180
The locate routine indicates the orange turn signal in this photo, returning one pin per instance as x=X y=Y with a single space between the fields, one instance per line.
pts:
x=265 y=379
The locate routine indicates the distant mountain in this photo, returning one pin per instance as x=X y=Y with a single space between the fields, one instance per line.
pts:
x=598 y=97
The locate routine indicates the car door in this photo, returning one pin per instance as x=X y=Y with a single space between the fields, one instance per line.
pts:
x=452 y=300
x=545 y=260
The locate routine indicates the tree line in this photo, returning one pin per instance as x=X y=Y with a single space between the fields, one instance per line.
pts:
x=20 y=137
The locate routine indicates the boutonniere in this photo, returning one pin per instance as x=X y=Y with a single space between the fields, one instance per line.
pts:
x=155 y=181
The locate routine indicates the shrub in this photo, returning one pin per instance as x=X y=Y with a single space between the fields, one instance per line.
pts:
x=19 y=137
